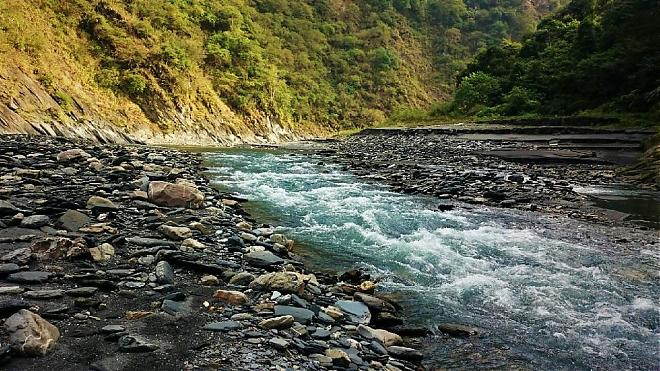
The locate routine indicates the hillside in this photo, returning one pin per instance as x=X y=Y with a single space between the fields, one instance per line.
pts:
x=591 y=56
x=199 y=71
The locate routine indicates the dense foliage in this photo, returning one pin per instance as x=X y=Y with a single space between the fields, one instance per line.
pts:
x=599 y=55
x=333 y=62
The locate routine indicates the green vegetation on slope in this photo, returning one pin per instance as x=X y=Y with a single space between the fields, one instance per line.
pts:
x=599 y=56
x=336 y=63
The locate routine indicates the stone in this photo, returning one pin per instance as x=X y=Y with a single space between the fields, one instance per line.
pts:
x=386 y=338
x=277 y=322
x=111 y=329
x=72 y=154
x=31 y=335
x=457 y=329
x=35 y=221
x=102 y=253
x=50 y=248
x=175 y=195
x=44 y=294
x=7 y=208
x=234 y=298
x=82 y=291
x=338 y=356
x=262 y=259
x=405 y=353
x=100 y=203
x=301 y=315
x=367 y=287
x=135 y=344
x=278 y=343
x=19 y=256
x=209 y=280
x=150 y=242
x=72 y=220
x=321 y=334
x=355 y=311
x=223 y=326
x=164 y=273
x=242 y=279
x=175 y=233
x=29 y=277
x=189 y=242
x=374 y=303
x=285 y=282
x=9 y=268
x=11 y=290
x=11 y=306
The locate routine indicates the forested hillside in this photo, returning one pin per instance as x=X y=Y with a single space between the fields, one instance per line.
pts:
x=598 y=56
x=238 y=66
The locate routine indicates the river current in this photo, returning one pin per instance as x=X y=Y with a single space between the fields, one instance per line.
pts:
x=542 y=296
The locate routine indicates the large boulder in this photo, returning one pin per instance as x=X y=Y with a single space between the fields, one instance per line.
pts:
x=31 y=335
x=286 y=282
x=175 y=195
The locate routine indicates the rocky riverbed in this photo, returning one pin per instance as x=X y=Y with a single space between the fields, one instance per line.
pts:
x=123 y=258
x=534 y=172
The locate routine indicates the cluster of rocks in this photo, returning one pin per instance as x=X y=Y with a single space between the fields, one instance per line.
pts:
x=453 y=168
x=116 y=257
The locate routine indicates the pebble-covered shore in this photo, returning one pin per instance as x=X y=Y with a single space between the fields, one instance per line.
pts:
x=123 y=258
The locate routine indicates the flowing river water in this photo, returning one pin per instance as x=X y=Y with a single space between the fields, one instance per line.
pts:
x=544 y=297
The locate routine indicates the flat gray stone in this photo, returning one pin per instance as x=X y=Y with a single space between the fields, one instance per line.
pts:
x=72 y=220
x=35 y=221
x=44 y=294
x=262 y=259
x=301 y=315
x=29 y=277
x=355 y=311
x=223 y=326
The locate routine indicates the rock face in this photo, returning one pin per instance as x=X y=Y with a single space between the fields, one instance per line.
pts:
x=175 y=195
x=31 y=335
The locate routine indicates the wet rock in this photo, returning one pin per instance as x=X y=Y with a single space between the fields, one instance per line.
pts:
x=232 y=297
x=31 y=335
x=384 y=337
x=29 y=277
x=100 y=203
x=263 y=259
x=102 y=253
x=355 y=311
x=35 y=221
x=405 y=353
x=175 y=233
x=457 y=329
x=164 y=273
x=73 y=220
x=301 y=315
x=175 y=195
x=374 y=303
x=277 y=322
x=223 y=326
x=111 y=329
x=135 y=344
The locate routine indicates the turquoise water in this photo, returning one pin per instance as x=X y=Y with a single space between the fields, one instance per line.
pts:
x=539 y=295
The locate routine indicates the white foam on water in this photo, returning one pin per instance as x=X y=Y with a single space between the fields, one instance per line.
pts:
x=553 y=296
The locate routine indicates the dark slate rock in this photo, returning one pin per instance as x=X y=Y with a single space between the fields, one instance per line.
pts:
x=11 y=306
x=29 y=277
x=223 y=326
x=135 y=344
x=262 y=259
x=72 y=220
x=301 y=315
x=356 y=311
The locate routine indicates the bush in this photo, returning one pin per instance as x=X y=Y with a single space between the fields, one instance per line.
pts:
x=134 y=84
x=477 y=89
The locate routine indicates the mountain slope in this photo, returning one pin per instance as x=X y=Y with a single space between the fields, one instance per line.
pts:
x=195 y=71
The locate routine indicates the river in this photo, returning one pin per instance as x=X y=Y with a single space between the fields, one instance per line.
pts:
x=543 y=296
